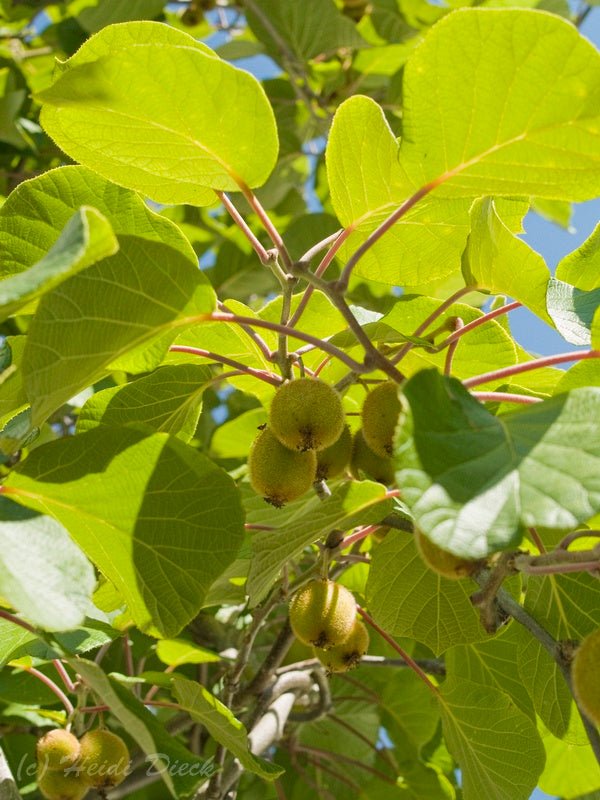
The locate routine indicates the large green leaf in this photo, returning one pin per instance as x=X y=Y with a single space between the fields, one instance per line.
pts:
x=200 y=125
x=161 y=521
x=203 y=707
x=87 y=238
x=496 y=746
x=581 y=268
x=12 y=394
x=303 y=522
x=43 y=574
x=474 y=482
x=571 y=771
x=168 y=400
x=498 y=261
x=503 y=102
x=163 y=751
x=572 y=310
x=408 y=599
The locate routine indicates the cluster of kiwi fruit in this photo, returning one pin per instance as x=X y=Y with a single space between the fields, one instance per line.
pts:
x=585 y=669
x=323 y=614
x=69 y=767
x=306 y=440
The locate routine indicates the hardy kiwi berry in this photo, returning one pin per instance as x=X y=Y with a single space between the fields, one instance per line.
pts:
x=347 y=655
x=380 y=415
x=364 y=460
x=60 y=785
x=277 y=473
x=306 y=414
x=323 y=614
x=585 y=670
x=57 y=750
x=104 y=759
x=335 y=458
x=441 y=561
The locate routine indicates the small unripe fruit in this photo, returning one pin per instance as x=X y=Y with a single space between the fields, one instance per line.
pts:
x=323 y=614
x=585 y=672
x=380 y=415
x=347 y=655
x=277 y=473
x=335 y=458
x=441 y=561
x=104 y=759
x=58 y=785
x=57 y=750
x=306 y=414
x=364 y=460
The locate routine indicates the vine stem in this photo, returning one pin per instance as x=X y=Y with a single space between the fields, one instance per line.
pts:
x=267 y=224
x=65 y=677
x=497 y=312
x=358 y=536
x=458 y=325
x=538 y=363
x=264 y=256
x=256 y=337
x=506 y=397
x=15 y=620
x=53 y=688
x=267 y=377
x=409 y=660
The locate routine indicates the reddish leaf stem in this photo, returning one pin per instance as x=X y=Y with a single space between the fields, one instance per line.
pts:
x=269 y=227
x=536 y=539
x=260 y=251
x=410 y=661
x=65 y=677
x=538 y=363
x=358 y=536
x=267 y=377
x=458 y=324
x=15 y=620
x=497 y=312
x=505 y=397
x=53 y=688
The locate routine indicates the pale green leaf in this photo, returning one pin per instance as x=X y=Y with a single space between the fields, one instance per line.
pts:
x=13 y=638
x=571 y=770
x=203 y=707
x=167 y=400
x=175 y=652
x=581 y=268
x=12 y=394
x=204 y=125
x=474 y=482
x=304 y=522
x=572 y=310
x=498 y=261
x=503 y=102
x=163 y=751
x=171 y=525
x=234 y=438
x=43 y=574
x=582 y=373
x=496 y=746
x=407 y=599
x=86 y=238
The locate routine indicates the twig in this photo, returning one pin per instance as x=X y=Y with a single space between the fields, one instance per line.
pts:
x=506 y=397
x=269 y=227
x=65 y=677
x=256 y=337
x=267 y=377
x=263 y=254
x=537 y=363
x=53 y=688
x=573 y=536
x=496 y=312
x=458 y=324
x=17 y=621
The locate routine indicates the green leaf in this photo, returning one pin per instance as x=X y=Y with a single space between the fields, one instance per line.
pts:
x=581 y=268
x=234 y=438
x=13 y=639
x=160 y=520
x=498 y=261
x=474 y=482
x=407 y=599
x=496 y=746
x=570 y=771
x=86 y=239
x=12 y=393
x=43 y=574
x=572 y=311
x=168 y=400
x=204 y=125
x=175 y=652
x=313 y=28
x=302 y=523
x=164 y=751
x=503 y=101
x=203 y=707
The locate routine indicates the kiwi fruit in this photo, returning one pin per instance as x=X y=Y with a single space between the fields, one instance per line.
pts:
x=366 y=463
x=277 y=473
x=307 y=414
x=57 y=750
x=380 y=415
x=443 y=562
x=323 y=613
x=60 y=785
x=347 y=655
x=585 y=670
x=335 y=458
x=104 y=759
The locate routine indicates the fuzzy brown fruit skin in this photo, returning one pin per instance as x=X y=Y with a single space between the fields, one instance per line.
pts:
x=57 y=750
x=380 y=415
x=277 y=473
x=585 y=673
x=347 y=655
x=58 y=785
x=104 y=759
x=335 y=458
x=364 y=460
x=323 y=614
x=442 y=562
x=307 y=414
